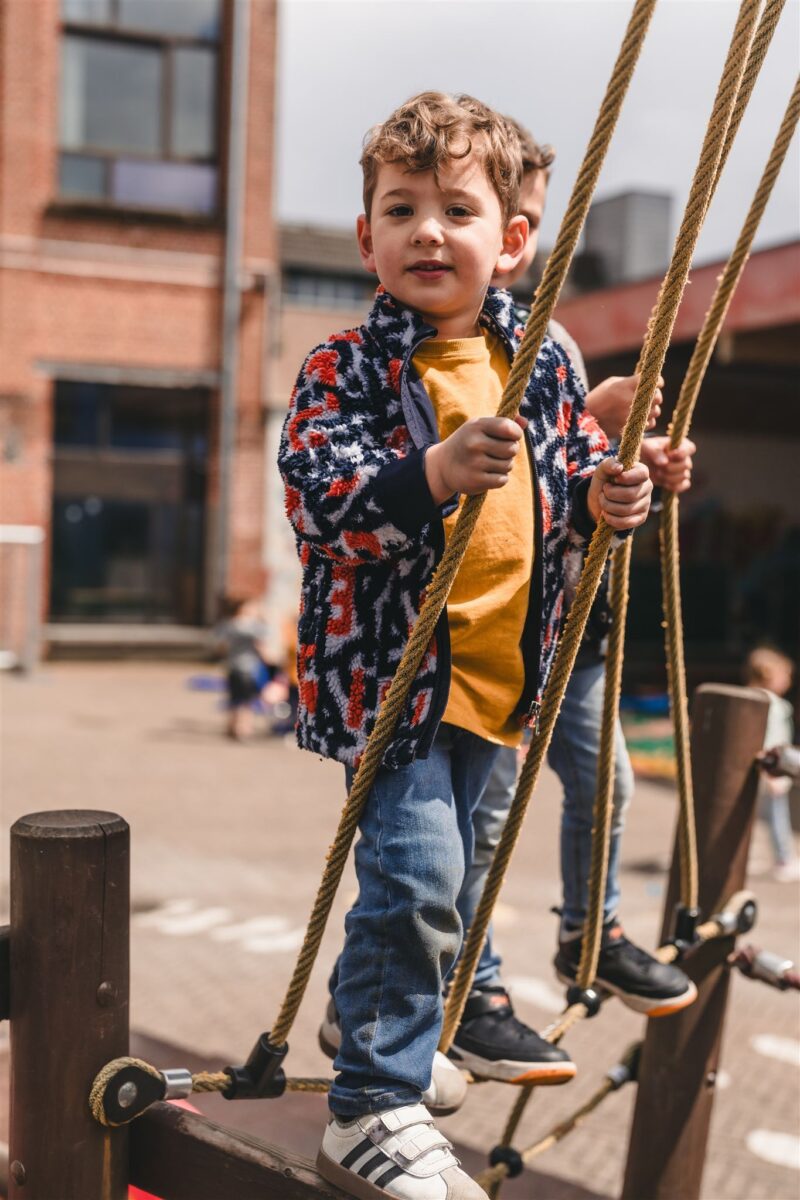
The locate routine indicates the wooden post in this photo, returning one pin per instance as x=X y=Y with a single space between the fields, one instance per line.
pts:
x=69 y=1002
x=680 y=1057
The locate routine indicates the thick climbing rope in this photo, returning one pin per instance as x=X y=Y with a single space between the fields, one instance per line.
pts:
x=437 y=592
x=657 y=341
x=721 y=925
x=620 y=590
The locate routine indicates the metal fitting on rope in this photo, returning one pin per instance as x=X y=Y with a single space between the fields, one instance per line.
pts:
x=626 y=1071
x=261 y=1077
x=770 y=968
x=589 y=997
x=738 y=916
x=685 y=928
x=126 y=1087
x=510 y=1158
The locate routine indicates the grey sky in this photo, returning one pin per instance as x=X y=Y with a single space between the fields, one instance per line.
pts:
x=344 y=64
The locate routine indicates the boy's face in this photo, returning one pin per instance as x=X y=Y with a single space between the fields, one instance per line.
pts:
x=532 y=197
x=436 y=245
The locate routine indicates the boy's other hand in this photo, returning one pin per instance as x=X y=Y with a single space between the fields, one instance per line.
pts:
x=670 y=469
x=622 y=497
x=477 y=457
x=610 y=402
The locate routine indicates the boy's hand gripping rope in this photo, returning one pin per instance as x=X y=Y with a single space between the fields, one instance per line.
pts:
x=653 y=356
x=620 y=582
x=544 y=302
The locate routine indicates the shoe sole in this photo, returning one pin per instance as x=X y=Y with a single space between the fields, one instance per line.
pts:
x=506 y=1070
x=640 y=1004
x=331 y=1049
x=350 y=1183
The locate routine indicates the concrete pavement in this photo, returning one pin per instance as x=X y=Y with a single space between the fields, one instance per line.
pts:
x=228 y=844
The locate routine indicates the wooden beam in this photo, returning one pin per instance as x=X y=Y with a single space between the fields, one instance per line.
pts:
x=179 y=1155
x=681 y=1053
x=5 y=974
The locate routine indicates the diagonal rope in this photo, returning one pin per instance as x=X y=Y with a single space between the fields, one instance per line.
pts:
x=669 y=525
x=653 y=356
x=619 y=596
x=417 y=645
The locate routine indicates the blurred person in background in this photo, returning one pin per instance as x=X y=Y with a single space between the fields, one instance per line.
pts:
x=769 y=669
x=242 y=630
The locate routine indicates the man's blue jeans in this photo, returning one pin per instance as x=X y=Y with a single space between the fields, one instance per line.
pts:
x=404 y=930
x=573 y=756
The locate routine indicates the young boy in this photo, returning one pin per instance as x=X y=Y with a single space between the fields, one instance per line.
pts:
x=390 y=425
x=491 y=1041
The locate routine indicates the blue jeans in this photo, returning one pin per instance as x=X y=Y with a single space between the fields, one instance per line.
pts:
x=404 y=930
x=573 y=754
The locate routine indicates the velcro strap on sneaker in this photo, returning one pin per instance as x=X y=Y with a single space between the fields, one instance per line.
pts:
x=402 y=1118
x=427 y=1139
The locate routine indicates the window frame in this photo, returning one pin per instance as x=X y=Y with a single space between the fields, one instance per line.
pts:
x=167 y=44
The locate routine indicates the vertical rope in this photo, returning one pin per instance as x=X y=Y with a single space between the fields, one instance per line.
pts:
x=417 y=645
x=670 y=516
x=653 y=356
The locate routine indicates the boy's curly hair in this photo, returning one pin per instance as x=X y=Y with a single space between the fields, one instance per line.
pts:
x=432 y=129
x=534 y=157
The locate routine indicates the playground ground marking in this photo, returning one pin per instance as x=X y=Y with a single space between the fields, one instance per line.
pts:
x=782 y=1149
x=784 y=1049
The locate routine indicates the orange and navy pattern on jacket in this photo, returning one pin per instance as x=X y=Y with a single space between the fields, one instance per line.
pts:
x=369 y=535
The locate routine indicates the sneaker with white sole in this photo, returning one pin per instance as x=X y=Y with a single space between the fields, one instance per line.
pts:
x=493 y=1043
x=398 y=1153
x=641 y=982
x=448 y=1089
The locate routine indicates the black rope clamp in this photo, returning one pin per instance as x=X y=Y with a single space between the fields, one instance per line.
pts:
x=748 y=915
x=261 y=1077
x=589 y=997
x=685 y=928
x=511 y=1159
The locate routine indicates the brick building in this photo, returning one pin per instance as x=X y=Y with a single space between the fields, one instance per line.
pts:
x=137 y=261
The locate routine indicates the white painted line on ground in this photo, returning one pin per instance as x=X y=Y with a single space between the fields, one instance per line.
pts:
x=275 y=944
x=782 y=1149
x=253 y=927
x=537 y=991
x=782 y=1048
x=182 y=918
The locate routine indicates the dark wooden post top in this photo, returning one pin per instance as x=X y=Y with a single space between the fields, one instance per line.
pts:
x=69 y=971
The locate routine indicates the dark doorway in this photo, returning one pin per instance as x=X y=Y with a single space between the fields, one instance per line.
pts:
x=129 y=503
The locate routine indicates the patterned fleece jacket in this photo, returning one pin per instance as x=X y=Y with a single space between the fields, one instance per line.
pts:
x=369 y=534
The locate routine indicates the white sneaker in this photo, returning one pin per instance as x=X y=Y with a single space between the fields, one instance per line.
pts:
x=448 y=1089
x=398 y=1153
x=787 y=872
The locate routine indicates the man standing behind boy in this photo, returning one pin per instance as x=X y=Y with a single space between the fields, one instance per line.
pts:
x=390 y=425
x=491 y=1041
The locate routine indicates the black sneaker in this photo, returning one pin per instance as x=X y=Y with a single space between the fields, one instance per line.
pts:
x=641 y=981
x=493 y=1044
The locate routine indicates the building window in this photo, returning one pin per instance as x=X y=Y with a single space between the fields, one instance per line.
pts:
x=305 y=289
x=139 y=102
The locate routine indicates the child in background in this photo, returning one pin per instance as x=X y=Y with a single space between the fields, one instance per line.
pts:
x=243 y=631
x=773 y=671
